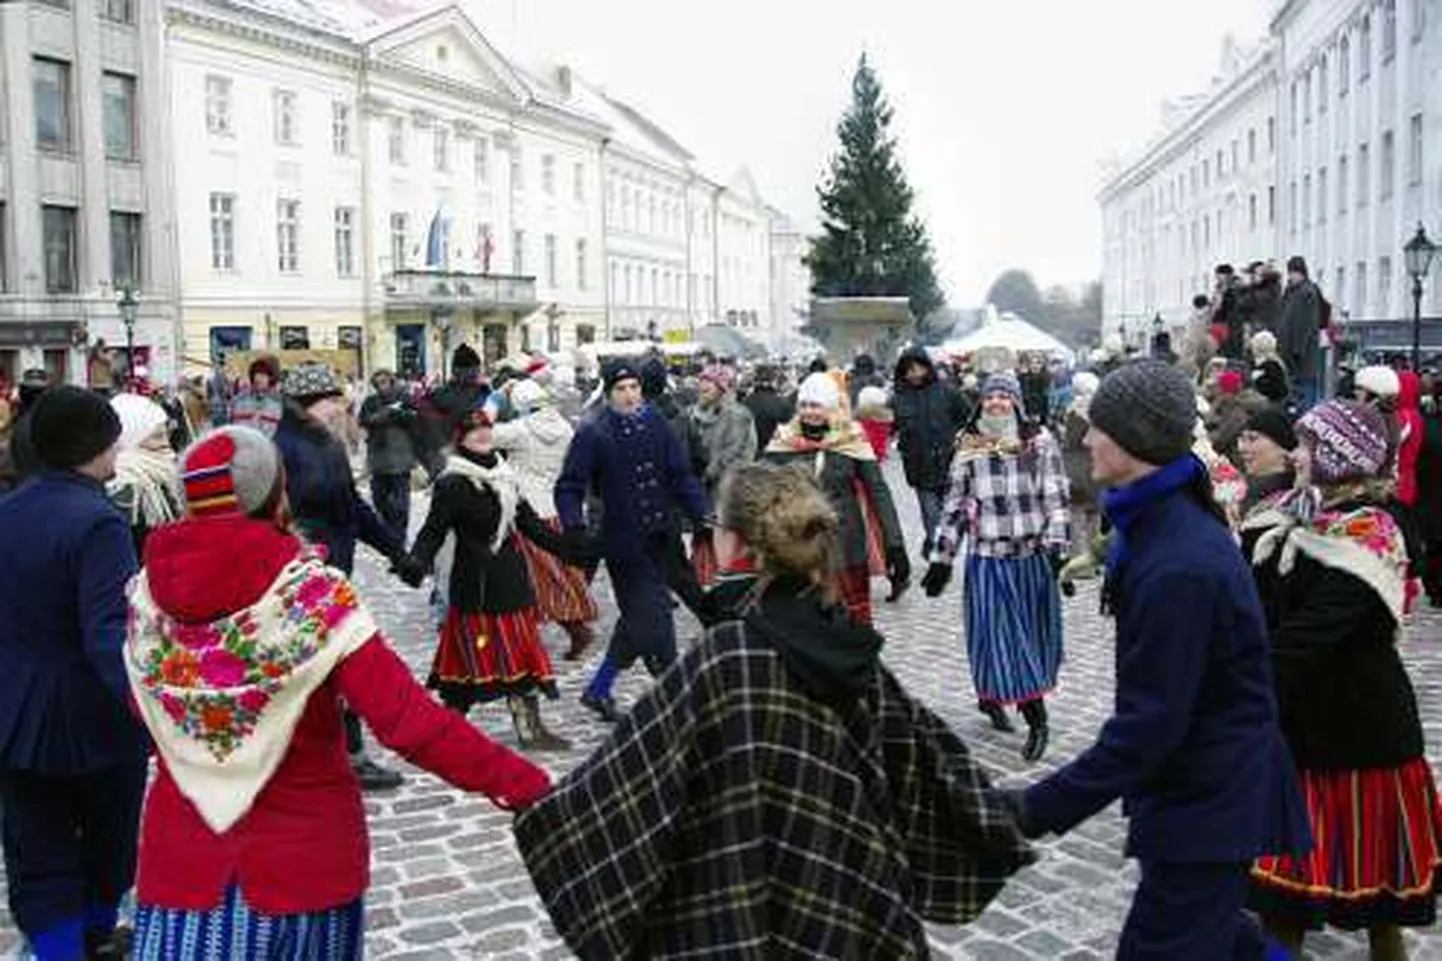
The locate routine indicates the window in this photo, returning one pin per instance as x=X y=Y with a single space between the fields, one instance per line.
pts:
x=1344 y=65
x=1307 y=97
x=1389 y=30
x=1364 y=182
x=4 y=273
x=655 y=287
x=441 y=148
x=1384 y=285
x=1417 y=16
x=548 y=175
x=124 y=250
x=627 y=299
x=222 y=231
x=287 y=236
x=400 y=241
x=1306 y=201
x=117 y=93
x=1220 y=168
x=1293 y=113
x=518 y=252
x=1271 y=135
x=651 y=215
x=1271 y=206
x=1387 y=167
x=1252 y=212
x=1322 y=86
x=52 y=104
x=340 y=129
x=581 y=264
x=286 y=129
x=1252 y=145
x=1340 y=291
x=1414 y=149
x=58 y=225
x=578 y=183
x=1322 y=195
x=1236 y=156
x=1364 y=50
x=118 y=11
x=518 y=169
x=294 y=337
x=1342 y=185
x=396 y=139
x=345 y=241
x=1359 y=287
x=1293 y=207
x=551 y=272
x=482 y=151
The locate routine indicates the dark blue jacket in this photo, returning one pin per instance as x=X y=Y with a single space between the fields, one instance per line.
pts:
x=66 y=559
x=642 y=474
x=1193 y=747
x=323 y=497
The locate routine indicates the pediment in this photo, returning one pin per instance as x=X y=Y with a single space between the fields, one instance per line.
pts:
x=447 y=44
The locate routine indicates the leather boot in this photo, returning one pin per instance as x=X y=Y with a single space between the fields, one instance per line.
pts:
x=582 y=637
x=998 y=717
x=521 y=720
x=542 y=737
x=1039 y=733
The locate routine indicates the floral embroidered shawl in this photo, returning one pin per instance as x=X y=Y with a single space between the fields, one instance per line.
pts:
x=222 y=699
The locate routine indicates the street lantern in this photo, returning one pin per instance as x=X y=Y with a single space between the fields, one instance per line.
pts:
x=1418 y=253
x=441 y=316
x=129 y=306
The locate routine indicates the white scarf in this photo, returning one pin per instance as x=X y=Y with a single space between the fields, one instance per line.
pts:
x=501 y=480
x=152 y=474
x=222 y=699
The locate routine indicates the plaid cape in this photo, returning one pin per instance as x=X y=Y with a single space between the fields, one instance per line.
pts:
x=733 y=816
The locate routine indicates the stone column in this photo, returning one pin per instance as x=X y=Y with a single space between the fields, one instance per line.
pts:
x=23 y=244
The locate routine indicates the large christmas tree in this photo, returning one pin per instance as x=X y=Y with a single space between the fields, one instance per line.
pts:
x=871 y=244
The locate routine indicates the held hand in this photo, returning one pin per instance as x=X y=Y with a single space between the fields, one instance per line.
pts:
x=898 y=571
x=938 y=575
x=1058 y=563
x=408 y=569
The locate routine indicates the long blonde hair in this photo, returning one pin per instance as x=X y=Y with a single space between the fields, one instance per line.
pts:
x=787 y=522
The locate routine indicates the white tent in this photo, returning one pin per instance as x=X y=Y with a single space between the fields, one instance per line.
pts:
x=1009 y=332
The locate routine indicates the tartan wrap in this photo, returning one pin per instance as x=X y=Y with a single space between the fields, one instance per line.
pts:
x=731 y=816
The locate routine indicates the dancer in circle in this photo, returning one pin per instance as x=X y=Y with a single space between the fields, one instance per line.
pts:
x=1008 y=498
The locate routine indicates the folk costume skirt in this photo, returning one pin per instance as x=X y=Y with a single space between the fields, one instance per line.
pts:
x=853 y=584
x=703 y=559
x=484 y=657
x=1012 y=612
x=1376 y=855
x=561 y=593
x=235 y=932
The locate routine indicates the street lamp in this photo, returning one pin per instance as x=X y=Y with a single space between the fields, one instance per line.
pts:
x=1418 y=252
x=441 y=317
x=129 y=307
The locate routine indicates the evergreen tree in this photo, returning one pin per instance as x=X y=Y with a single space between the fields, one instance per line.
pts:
x=871 y=244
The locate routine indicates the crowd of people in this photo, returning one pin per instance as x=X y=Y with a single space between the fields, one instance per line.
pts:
x=180 y=590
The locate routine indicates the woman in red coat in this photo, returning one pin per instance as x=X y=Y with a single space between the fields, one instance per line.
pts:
x=242 y=645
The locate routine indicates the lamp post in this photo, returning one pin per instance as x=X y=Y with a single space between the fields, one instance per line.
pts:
x=441 y=312
x=129 y=306
x=1418 y=252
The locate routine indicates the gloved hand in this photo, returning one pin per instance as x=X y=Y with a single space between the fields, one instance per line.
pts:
x=938 y=575
x=898 y=571
x=1014 y=800
x=578 y=547
x=408 y=569
x=1058 y=560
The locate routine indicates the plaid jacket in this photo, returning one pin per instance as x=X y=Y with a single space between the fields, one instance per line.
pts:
x=731 y=816
x=1012 y=502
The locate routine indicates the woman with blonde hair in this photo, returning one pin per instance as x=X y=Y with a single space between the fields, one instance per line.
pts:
x=777 y=792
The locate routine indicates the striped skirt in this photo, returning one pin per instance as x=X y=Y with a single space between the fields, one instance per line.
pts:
x=1012 y=612
x=1377 y=850
x=561 y=594
x=485 y=657
x=234 y=932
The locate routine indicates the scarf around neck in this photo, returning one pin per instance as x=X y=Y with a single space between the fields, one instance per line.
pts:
x=151 y=474
x=844 y=438
x=500 y=480
x=222 y=699
x=1123 y=505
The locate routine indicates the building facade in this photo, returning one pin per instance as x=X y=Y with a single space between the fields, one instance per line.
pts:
x=84 y=203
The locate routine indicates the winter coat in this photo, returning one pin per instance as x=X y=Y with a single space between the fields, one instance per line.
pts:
x=725 y=437
x=643 y=476
x=1261 y=304
x=1228 y=315
x=1228 y=419
x=9 y=476
x=258 y=410
x=1412 y=430
x=63 y=690
x=1429 y=484
x=304 y=846
x=535 y=445
x=927 y=420
x=442 y=411
x=322 y=492
x=1298 y=331
x=1269 y=378
x=1193 y=747
x=769 y=410
x=392 y=426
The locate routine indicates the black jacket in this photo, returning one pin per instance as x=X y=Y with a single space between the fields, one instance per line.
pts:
x=927 y=419
x=1298 y=329
x=392 y=425
x=769 y=410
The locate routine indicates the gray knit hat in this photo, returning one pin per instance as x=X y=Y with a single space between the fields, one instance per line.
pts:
x=1149 y=408
x=310 y=382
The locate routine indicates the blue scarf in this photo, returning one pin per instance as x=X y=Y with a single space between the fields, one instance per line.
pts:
x=1124 y=504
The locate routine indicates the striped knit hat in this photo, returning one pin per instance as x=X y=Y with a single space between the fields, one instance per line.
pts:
x=233 y=470
x=1348 y=441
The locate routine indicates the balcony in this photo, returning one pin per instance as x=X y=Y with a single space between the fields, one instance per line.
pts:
x=459 y=290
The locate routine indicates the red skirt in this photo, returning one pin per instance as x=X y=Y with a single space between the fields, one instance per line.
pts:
x=561 y=594
x=854 y=586
x=1375 y=857
x=484 y=657
x=703 y=559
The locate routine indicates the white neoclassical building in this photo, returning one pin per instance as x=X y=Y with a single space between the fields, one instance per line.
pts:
x=84 y=201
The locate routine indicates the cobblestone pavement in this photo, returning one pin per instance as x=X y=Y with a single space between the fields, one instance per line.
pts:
x=448 y=883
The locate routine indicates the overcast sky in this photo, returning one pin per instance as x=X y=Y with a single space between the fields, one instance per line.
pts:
x=1003 y=110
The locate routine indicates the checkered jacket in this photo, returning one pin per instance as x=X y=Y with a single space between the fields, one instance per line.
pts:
x=1010 y=502
x=733 y=816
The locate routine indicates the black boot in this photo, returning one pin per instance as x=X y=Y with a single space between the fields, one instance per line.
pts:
x=603 y=707
x=1039 y=733
x=542 y=737
x=997 y=713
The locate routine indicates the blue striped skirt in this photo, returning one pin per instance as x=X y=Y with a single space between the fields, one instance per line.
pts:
x=1013 y=627
x=235 y=931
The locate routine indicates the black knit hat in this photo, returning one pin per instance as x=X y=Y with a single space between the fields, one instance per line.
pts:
x=72 y=426
x=1272 y=422
x=464 y=357
x=1149 y=408
x=616 y=370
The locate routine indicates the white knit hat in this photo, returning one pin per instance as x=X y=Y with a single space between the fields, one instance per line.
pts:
x=1379 y=380
x=819 y=389
x=139 y=418
x=527 y=395
x=870 y=397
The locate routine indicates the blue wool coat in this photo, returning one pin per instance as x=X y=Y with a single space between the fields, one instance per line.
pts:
x=641 y=472
x=1194 y=748
x=64 y=697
